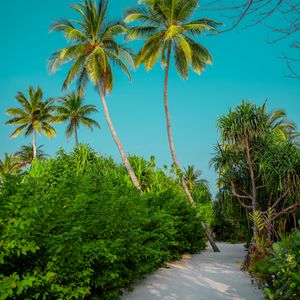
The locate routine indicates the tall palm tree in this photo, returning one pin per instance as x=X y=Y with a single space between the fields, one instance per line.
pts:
x=34 y=115
x=25 y=154
x=166 y=28
x=9 y=165
x=93 y=50
x=71 y=109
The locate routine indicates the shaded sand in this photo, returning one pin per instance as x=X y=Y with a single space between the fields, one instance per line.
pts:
x=205 y=276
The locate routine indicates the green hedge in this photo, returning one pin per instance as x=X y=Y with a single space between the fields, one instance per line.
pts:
x=73 y=228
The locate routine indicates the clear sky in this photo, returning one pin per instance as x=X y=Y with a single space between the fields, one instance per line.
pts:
x=245 y=67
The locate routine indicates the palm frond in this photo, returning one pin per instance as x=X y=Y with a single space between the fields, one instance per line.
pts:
x=181 y=62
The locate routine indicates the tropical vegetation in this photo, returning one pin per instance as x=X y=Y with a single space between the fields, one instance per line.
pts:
x=166 y=28
x=25 y=155
x=72 y=110
x=82 y=231
x=258 y=161
x=94 y=48
x=34 y=116
x=79 y=225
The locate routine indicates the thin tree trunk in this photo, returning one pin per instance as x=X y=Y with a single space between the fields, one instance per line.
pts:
x=173 y=152
x=76 y=135
x=253 y=185
x=34 y=143
x=295 y=220
x=125 y=160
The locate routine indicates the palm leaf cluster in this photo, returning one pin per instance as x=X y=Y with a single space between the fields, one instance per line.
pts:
x=72 y=110
x=192 y=177
x=34 y=115
x=94 y=48
x=166 y=27
x=9 y=165
x=25 y=155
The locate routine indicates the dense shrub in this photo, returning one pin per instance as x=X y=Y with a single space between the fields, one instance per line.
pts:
x=280 y=270
x=74 y=228
x=230 y=221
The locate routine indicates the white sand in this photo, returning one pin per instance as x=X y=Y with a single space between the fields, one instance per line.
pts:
x=205 y=276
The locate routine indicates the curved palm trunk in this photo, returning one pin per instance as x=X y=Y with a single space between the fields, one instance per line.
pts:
x=125 y=160
x=173 y=152
x=76 y=135
x=34 y=143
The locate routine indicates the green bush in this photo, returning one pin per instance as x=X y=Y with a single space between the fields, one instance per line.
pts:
x=74 y=228
x=281 y=269
x=230 y=220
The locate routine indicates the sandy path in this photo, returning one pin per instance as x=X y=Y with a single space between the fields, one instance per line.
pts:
x=205 y=276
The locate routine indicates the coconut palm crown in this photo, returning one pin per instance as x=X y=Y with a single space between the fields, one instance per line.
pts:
x=72 y=110
x=25 y=154
x=93 y=48
x=34 y=115
x=166 y=27
x=192 y=177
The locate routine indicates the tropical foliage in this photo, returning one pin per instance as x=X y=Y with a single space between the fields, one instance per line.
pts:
x=25 y=155
x=281 y=268
x=72 y=110
x=9 y=165
x=257 y=165
x=165 y=25
x=82 y=231
x=94 y=48
x=34 y=116
x=191 y=177
x=81 y=226
x=231 y=222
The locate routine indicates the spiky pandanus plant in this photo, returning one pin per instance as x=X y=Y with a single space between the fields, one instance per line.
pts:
x=72 y=110
x=94 y=48
x=168 y=31
x=34 y=116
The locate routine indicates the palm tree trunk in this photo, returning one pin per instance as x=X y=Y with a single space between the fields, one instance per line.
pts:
x=173 y=152
x=125 y=160
x=76 y=135
x=34 y=143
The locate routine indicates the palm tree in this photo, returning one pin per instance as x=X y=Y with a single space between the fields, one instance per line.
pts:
x=93 y=50
x=191 y=177
x=166 y=28
x=26 y=155
x=35 y=115
x=71 y=109
x=9 y=165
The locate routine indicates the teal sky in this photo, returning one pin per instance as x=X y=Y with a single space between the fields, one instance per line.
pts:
x=245 y=67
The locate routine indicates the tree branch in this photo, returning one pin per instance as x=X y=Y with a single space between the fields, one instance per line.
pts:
x=239 y=197
x=287 y=210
